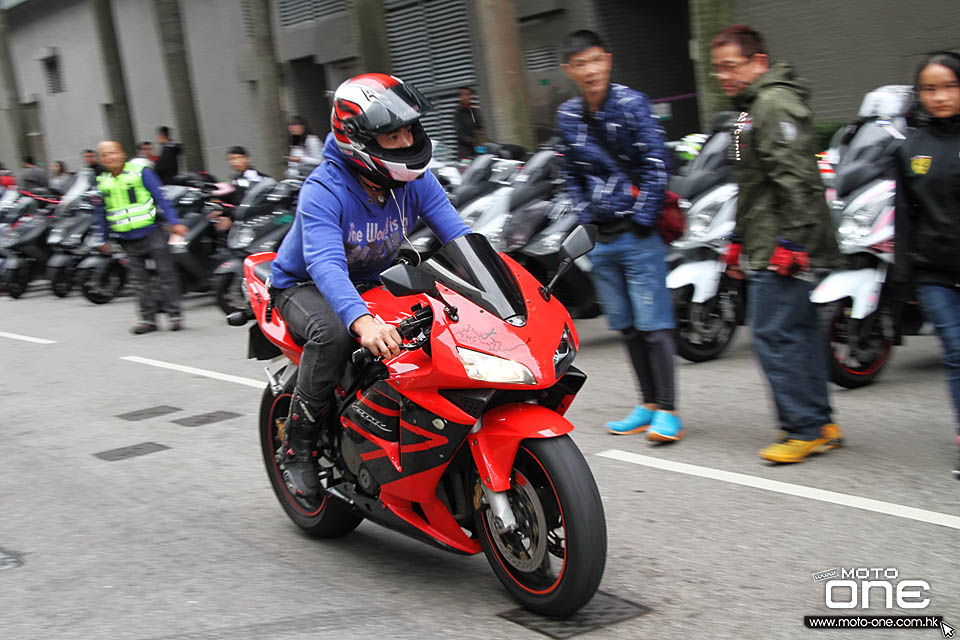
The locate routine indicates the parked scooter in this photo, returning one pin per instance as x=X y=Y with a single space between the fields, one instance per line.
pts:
x=709 y=305
x=260 y=222
x=24 y=246
x=862 y=320
x=75 y=219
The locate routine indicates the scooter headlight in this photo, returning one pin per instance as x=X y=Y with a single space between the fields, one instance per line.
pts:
x=55 y=237
x=858 y=221
x=240 y=237
x=488 y=368
x=699 y=220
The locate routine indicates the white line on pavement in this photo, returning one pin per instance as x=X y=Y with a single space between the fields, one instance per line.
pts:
x=17 y=336
x=216 y=375
x=844 y=499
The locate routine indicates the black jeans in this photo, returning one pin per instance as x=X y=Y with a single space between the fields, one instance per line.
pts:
x=156 y=294
x=328 y=343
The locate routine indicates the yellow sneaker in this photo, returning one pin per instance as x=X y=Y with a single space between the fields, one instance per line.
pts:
x=795 y=450
x=831 y=432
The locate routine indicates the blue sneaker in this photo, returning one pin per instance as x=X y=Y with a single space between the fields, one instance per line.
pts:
x=636 y=422
x=665 y=427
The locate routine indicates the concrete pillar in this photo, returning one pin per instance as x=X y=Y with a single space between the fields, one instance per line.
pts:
x=121 y=122
x=266 y=72
x=11 y=86
x=508 y=119
x=174 y=48
x=372 y=30
x=708 y=18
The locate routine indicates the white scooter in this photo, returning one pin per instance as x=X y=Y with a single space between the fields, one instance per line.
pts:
x=708 y=304
x=863 y=322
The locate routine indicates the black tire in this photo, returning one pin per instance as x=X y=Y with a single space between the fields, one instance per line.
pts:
x=61 y=282
x=229 y=293
x=330 y=518
x=856 y=364
x=16 y=281
x=552 y=474
x=704 y=331
x=102 y=287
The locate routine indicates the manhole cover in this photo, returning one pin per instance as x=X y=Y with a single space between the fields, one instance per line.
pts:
x=132 y=451
x=149 y=412
x=206 y=418
x=604 y=610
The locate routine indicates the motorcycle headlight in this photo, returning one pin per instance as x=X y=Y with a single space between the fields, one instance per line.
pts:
x=487 y=368
x=857 y=222
x=55 y=237
x=240 y=237
x=699 y=220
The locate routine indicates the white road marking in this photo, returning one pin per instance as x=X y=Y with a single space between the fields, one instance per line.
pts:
x=843 y=499
x=206 y=373
x=17 y=336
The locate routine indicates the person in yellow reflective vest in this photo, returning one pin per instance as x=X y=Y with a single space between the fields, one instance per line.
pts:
x=133 y=203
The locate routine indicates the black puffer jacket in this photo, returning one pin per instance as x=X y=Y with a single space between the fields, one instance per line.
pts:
x=928 y=205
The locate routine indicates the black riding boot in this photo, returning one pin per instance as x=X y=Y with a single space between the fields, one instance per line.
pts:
x=300 y=466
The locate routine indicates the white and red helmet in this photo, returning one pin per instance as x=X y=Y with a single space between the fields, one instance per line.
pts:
x=368 y=105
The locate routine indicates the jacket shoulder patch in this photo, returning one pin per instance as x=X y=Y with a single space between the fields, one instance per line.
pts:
x=920 y=165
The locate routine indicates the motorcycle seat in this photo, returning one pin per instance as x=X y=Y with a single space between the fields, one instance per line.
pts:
x=262 y=270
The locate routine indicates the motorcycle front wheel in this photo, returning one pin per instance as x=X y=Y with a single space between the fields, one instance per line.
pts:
x=229 y=293
x=15 y=281
x=554 y=561
x=100 y=287
x=704 y=330
x=61 y=281
x=857 y=350
x=324 y=517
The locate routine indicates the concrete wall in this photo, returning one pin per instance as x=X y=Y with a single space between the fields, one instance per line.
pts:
x=848 y=48
x=71 y=120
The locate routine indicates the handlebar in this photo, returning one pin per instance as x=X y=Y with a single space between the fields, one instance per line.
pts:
x=408 y=328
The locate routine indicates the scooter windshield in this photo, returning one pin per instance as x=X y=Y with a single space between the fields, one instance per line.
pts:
x=470 y=266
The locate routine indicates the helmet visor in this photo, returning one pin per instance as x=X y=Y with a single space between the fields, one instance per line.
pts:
x=392 y=108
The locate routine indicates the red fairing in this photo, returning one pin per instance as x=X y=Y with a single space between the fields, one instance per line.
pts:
x=420 y=433
x=495 y=445
x=276 y=329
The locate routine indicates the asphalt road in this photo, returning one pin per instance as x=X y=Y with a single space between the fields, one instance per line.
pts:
x=189 y=541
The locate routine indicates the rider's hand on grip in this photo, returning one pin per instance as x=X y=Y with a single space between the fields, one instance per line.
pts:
x=381 y=339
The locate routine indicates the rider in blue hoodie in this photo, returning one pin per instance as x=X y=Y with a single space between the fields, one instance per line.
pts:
x=353 y=214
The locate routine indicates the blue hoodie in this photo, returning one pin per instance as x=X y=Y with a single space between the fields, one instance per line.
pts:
x=340 y=237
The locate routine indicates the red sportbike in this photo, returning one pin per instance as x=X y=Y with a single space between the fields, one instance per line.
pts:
x=460 y=440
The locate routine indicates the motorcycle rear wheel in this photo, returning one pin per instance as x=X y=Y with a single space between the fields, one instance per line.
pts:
x=326 y=517
x=554 y=562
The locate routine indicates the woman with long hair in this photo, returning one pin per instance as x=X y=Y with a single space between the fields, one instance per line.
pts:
x=928 y=209
x=304 y=146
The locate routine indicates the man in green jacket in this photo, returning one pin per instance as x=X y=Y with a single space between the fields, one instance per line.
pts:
x=783 y=230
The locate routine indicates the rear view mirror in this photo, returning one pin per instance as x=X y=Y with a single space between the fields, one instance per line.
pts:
x=405 y=280
x=579 y=242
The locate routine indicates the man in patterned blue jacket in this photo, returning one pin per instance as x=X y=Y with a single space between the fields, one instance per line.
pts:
x=615 y=170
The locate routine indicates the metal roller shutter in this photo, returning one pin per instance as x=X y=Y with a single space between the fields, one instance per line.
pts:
x=294 y=13
x=649 y=42
x=430 y=46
